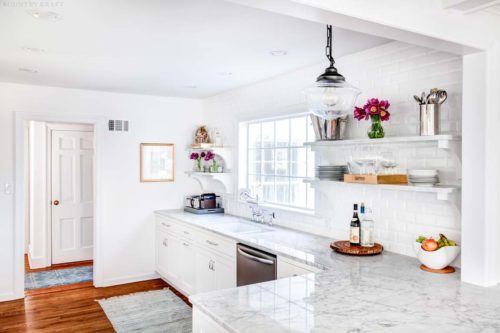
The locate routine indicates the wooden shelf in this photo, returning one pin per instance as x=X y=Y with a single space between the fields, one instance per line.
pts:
x=443 y=141
x=442 y=191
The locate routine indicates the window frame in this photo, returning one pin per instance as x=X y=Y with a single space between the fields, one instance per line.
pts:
x=309 y=205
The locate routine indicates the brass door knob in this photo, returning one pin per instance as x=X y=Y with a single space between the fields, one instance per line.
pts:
x=56 y=202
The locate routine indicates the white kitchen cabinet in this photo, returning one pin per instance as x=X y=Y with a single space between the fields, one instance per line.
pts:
x=194 y=260
x=213 y=271
x=288 y=268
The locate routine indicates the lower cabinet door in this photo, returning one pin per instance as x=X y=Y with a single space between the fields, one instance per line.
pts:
x=205 y=276
x=162 y=253
x=174 y=259
x=188 y=267
x=225 y=273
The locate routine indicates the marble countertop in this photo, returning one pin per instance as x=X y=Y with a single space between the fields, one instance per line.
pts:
x=386 y=293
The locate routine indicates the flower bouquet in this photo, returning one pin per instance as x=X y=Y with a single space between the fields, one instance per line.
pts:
x=198 y=157
x=376 y=111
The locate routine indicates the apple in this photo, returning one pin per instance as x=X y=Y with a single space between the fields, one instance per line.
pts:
x=430 y=245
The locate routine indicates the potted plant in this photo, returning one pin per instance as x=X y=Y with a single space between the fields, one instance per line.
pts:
x=376 y=111
x=214 y=168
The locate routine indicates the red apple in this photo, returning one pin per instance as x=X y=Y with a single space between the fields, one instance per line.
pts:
x=429 y=245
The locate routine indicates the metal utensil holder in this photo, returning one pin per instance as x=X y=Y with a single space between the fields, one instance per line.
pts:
x=429 y=119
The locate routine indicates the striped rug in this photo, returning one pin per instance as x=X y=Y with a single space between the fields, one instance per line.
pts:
x=150 y=312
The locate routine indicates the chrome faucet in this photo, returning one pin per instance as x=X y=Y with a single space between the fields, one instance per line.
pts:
x=259 y=214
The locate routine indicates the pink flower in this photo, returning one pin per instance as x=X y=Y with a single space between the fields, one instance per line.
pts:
x=360 y=114
x=372 y=107
x=384 y=115
x=209 y=156
x=202 y=154
x=384 y=104
x=194 y=156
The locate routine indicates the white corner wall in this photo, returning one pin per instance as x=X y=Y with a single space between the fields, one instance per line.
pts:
x=394 y=71
x=126 y=220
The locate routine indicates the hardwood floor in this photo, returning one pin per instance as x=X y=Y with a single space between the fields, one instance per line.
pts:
x=73 y=310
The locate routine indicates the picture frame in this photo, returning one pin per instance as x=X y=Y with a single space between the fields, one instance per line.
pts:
x=157 y=162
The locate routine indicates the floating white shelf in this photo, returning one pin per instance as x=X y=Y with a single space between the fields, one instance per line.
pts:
x=203 y=178
x=442 y=192
x=443 y=141
x=213 y=148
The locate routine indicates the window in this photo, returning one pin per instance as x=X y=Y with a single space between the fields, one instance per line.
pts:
x=277 y=160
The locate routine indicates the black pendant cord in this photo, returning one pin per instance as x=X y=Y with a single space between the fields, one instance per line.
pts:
x=328 y=49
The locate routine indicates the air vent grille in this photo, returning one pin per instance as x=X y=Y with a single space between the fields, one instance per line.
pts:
x=118 y=125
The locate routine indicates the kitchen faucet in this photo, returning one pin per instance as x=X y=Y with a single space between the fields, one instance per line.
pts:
x=259 y=214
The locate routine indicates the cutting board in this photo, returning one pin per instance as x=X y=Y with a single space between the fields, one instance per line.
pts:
x=345 y=247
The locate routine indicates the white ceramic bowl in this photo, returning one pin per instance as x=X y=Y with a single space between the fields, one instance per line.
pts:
x=423 y=172
x=437 y=259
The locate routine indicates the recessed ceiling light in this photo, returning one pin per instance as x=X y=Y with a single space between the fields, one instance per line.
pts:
x=278 y=53
x=33 y=50
x=191 y=87
x=225 y=73
x=28 y=70
x=44 y=15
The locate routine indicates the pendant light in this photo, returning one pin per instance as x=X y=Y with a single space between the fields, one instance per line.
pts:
x=331 y=97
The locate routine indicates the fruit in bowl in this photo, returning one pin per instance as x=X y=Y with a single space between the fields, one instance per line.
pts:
x=436 y=254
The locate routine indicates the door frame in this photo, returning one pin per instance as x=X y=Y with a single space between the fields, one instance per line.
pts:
x=99 y=124
x=61 y=127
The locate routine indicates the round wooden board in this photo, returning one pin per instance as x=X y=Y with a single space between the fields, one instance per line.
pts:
x=345 y=247
x=446 y=270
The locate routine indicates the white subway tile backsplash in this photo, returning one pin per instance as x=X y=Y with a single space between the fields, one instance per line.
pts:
x=395 y=71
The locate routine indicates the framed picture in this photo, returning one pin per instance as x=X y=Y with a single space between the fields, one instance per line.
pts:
x=157 y=162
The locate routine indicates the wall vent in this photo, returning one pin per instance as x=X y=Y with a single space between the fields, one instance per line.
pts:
x=118 y=125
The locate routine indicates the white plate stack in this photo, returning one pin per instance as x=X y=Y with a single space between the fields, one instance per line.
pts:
x=423 y=177
x=331 y=172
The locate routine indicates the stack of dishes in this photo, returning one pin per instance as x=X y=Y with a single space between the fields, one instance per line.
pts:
x=423 y=177
x=331 y=172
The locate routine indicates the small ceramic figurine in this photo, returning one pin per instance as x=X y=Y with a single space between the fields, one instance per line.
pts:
x=201 y=135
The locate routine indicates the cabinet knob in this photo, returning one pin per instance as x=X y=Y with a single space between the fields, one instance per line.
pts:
x=185 y=244
x=212 y=243
x=165 y=243
x=56 y=202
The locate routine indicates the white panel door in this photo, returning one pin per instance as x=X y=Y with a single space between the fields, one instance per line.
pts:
x=72 y=196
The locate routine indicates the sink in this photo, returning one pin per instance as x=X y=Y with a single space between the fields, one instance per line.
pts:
x=241 y=228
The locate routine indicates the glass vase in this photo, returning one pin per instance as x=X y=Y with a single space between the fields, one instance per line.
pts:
x=376 y=131
x=197 y=166
x=214 y=168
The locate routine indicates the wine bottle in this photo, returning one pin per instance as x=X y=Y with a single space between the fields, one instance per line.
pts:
x=355 y=232
x=367 y=226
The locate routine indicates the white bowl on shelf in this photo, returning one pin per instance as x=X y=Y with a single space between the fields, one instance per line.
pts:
x=438 y=259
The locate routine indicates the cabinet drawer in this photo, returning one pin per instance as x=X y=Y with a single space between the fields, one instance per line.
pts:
x=177 y=228
x=288 y=268
x=217 y=243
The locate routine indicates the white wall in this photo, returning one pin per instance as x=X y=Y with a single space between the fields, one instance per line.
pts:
x=127 y=231
x=395 y=71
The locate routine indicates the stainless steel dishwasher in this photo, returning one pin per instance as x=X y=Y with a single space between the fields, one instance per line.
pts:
x=254 y=266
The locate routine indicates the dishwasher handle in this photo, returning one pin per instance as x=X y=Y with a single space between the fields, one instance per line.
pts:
x=254 y=258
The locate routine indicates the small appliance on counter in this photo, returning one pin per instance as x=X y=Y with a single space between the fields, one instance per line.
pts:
x=207 y=203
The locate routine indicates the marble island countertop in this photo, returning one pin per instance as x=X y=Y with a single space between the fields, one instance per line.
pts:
x=384 y=293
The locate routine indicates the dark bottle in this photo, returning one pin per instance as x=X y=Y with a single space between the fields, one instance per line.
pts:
x=355 y=232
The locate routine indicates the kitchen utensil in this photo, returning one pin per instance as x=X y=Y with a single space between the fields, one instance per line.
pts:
x=441 y=96
x=423 y=98
x=419 y=101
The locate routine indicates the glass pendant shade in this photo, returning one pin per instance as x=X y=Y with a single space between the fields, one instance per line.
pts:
x=331 y=96
x=331 y=100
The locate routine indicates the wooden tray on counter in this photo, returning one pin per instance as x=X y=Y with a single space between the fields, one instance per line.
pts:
x=344 y=247
x=376 y=179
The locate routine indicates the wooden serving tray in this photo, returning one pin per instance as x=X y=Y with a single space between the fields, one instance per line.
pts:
x=446 y=270
x=345 y=247
x=376 y=179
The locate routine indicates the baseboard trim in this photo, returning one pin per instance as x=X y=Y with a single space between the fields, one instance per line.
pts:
x=10 y=297
x=126 y=279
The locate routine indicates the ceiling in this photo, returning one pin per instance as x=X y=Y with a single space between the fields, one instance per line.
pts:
x=184 y=48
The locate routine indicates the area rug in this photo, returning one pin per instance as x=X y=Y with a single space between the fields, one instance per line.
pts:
x=150 y=312
x=57 y=277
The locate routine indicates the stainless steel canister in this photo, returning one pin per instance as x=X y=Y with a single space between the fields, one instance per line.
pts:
x=429 y=119
x=333 y=129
